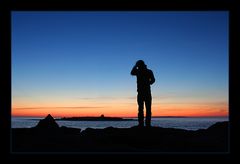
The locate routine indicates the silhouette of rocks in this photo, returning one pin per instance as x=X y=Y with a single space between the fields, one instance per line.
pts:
x=49 y=127
x=134 y=139
x=47 y=123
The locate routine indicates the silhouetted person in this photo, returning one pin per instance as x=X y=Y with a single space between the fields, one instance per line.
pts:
x=145 y=78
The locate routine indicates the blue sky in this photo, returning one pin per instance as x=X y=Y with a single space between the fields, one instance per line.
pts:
x=81 y=55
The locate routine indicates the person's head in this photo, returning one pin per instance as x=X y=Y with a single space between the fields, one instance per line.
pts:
x=140 y=64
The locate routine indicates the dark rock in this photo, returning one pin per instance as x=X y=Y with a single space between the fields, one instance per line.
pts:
x=153 y=139
x=47 y=123
x=218 y=126
x=67 y=130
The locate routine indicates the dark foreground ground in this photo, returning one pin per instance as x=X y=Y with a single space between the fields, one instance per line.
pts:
x=154 y=139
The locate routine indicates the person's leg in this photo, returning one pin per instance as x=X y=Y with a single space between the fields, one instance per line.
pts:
x=140 y=110
x=148 y=103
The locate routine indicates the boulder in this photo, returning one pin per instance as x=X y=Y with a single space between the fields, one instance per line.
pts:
x=47 y=123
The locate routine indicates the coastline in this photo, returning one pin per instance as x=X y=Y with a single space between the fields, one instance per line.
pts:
x=181 y=123
x=134 y=139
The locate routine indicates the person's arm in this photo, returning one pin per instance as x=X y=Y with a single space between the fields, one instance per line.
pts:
x=134 y=70
x=152 y=78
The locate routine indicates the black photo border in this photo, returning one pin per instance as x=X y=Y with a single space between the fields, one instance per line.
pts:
x=7 y=6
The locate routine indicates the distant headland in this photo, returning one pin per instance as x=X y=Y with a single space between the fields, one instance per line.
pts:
x=100 y=118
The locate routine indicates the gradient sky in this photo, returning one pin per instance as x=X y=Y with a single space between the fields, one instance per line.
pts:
x=79 y=63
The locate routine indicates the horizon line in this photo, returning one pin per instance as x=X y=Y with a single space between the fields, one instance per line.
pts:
x=134 y=116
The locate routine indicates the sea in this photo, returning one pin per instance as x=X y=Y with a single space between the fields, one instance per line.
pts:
x=187 y=123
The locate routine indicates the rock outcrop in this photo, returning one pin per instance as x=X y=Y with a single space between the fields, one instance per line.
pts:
x=47 y=123
x=134 y=139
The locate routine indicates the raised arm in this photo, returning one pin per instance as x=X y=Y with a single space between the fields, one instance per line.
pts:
x=134 y=70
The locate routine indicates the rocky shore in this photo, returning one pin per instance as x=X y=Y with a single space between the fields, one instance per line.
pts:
x=47 y=136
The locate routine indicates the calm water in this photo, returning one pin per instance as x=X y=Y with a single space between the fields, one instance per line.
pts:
x=182 y=123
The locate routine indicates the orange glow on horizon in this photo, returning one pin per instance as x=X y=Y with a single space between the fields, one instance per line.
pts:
x=130 y=110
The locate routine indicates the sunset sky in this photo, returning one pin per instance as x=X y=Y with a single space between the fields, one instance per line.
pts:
x=79 y=63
